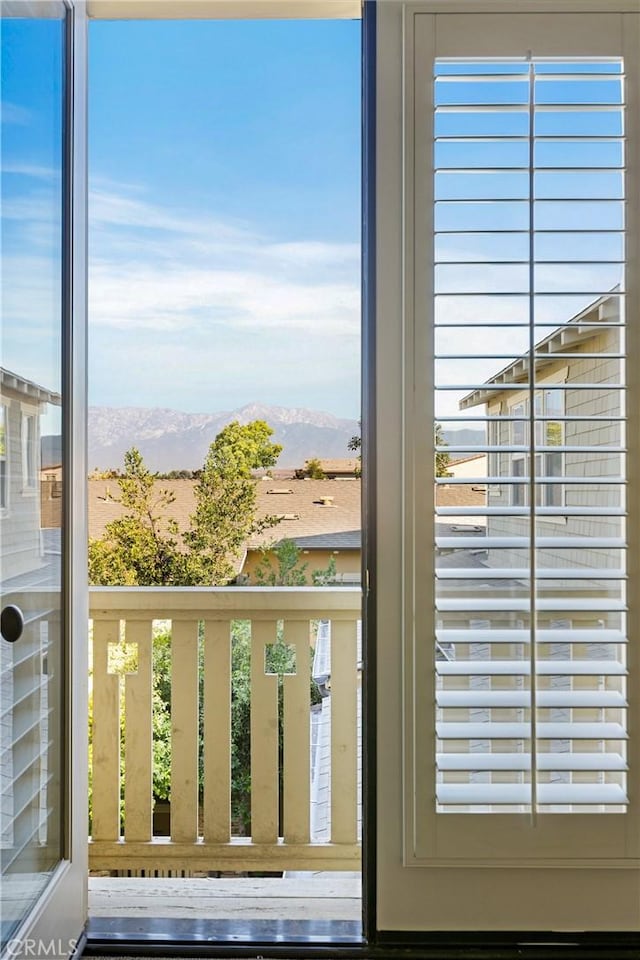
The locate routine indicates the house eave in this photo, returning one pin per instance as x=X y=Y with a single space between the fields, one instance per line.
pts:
x=27 y=388
x=564 y=338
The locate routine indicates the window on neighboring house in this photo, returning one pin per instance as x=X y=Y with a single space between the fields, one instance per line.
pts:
x=519 y=490
x=493 y=462
x=29 y=451
x=519 y=438
x=519 y=427
x=549 y=463
x=4 y=443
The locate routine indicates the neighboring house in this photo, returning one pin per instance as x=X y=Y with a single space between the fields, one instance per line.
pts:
x=475 y=465
x=322 y=517
x=340 y=468
x=579 y=568
x=554 y=374
x=22 y=403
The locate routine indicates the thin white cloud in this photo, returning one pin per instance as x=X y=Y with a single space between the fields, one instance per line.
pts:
x=13 y=113
x=154 y=268
x=150 y=296
x=35 y=170
x=125 y=208
x=176 y=295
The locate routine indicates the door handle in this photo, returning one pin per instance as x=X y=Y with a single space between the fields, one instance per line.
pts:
x=11 y=623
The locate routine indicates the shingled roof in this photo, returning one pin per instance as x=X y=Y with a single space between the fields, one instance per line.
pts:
x=317 y=514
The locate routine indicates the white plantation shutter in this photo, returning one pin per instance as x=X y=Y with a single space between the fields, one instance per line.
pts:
x=529 y=387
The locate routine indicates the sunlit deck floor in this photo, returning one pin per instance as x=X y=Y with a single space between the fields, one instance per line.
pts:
x=309 y=896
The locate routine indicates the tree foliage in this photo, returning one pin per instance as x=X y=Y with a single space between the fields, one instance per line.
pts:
x=313 y=469
x=225 y=515
x=280 y=566
x=140 y=548
x=355 y=446
x=442 y=457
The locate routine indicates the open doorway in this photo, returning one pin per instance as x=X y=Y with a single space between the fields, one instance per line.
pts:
x=224 y=440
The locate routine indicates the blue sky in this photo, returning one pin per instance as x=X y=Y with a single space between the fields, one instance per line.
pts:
x=31 y=72
x=225 y=214
x=225 y=209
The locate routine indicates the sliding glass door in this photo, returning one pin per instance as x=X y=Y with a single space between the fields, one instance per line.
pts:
x=35 y=642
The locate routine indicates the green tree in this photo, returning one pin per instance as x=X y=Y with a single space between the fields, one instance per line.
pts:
x=280 y=566
x=313 y=469
x=140 y=548
x=355 y=446
x=442 y=457
x=245 y=447
x=225 y=493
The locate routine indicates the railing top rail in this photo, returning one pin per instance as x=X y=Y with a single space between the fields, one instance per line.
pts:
x=228 y=602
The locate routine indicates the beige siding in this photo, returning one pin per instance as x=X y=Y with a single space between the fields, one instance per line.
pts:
x=347 y=562
x=579 y=433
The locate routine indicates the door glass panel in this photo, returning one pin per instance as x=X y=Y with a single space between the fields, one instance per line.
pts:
x=32 y=59
x=529 y=437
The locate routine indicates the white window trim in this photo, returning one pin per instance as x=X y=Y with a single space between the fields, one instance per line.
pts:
x=27 y=412
x=5 y=508
x=546 y=383
x=522 y=400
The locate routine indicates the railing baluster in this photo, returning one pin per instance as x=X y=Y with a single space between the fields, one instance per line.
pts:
x=264 y=737
x=184 y=731
x=343 y=731
x=106 y=735
x=138 y=748
x=297 y=722
x=217 y=731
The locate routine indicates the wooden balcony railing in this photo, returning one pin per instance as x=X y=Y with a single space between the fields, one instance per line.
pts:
x=201 y=835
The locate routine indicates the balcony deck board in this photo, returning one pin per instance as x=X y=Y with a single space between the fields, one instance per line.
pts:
x=312 y=897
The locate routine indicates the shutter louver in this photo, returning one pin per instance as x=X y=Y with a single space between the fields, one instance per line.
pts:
x=529 y=449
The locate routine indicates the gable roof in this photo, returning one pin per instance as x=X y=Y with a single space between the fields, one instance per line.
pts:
x=567 y=337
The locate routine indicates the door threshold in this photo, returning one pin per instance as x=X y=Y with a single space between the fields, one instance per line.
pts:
x=157 y=936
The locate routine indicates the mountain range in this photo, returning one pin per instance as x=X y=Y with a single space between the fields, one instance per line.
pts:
x=174 y=440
